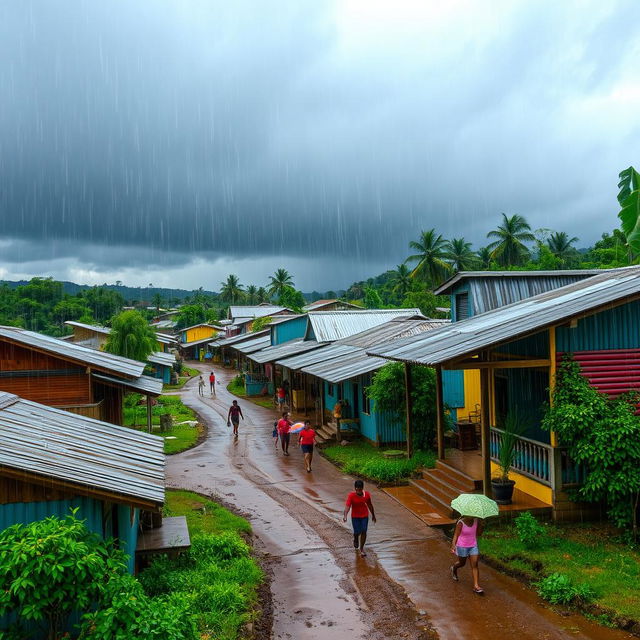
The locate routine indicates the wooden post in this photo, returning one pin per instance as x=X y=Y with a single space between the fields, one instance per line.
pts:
x=149 y=413
x=439 y=413
x=321 y=386
x=552 y=376
x=486 y=431
x=409 y=406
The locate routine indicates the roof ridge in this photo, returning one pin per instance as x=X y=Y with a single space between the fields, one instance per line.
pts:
x=7 y=399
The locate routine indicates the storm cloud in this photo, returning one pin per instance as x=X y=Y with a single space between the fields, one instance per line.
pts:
x=165 y=140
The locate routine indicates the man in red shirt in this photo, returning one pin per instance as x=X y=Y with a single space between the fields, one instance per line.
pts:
x=284 y=424
x=307 y=439
x=212 y=383
x=359 y=501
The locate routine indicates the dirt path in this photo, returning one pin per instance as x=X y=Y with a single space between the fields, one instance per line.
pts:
x=321 y=588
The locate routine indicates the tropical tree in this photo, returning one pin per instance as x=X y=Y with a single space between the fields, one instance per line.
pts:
x=629 y=199
x=372 y=299
x=291 y=299
x=157 y=301
x=190 y=315
x=559 y=244
x=484 y=258
x=231 y=290
x=252 y=294
x=431 y=266
x=131 y=336
x=278 y=281
x=262 y=295
x=460 y=255
x=509 y=249
x=402 y=280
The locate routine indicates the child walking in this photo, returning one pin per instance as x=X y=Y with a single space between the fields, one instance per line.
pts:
x=465 y=545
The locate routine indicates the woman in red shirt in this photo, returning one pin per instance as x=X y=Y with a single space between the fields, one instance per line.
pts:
x=359 y=501
x=306 y=440
x=284 y=424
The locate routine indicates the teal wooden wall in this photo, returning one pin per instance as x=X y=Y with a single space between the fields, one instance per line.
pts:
x=453 y=388
x=290 y=330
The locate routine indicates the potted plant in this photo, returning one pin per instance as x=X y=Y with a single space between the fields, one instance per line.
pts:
x=507 y=454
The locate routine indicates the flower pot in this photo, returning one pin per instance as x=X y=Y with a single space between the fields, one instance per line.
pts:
x=502 y=490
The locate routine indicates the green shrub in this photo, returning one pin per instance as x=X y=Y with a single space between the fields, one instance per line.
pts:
x=532 y=534
x=558 y=588
x=225 y=546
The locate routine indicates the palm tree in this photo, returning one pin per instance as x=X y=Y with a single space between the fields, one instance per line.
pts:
x=484 y=257
x=431 y=265
x=279 y=280
x=559 y=244
x=252 y=294
x=460 y=255
x=231 y=289
x=402 y=279
x=509 y=248
x=262 y=294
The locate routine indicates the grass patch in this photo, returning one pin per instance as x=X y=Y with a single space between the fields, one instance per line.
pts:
x=183 y=378
x=217 y=575
x=183 y=435
x=236 y=386
x=589 y=555
x=363 y=459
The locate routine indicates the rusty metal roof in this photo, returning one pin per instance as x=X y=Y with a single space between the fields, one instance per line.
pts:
x=89 y=453
x=468 y=337
x=71 y=351
x=284 y=350
x=328 y=326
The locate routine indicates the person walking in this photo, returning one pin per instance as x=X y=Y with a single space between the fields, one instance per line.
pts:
x=306 y=440
x=200 y=386
x=212 y=383
x=465 y=545
x=359 y=501
x=234 y=415
x=284 y=424
x=280 y=395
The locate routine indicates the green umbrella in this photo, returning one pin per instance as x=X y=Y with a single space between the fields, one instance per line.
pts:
x=475 y=505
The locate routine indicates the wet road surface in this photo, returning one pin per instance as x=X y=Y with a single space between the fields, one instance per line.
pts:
x=321 y=588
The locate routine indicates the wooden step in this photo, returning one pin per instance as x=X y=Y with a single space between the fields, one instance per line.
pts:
x=434 y=494
x=419 y=505
x=445 y=484
x=439 y=476
x=460 y=476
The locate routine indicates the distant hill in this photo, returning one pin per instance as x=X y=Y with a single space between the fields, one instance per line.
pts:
x=128 y=293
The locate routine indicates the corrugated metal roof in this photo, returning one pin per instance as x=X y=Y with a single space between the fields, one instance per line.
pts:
x=159 y=357
x=57 y=444
x=348 y=366
x=164 y=324
x=318 y=304
x=143 y=384
x=241 y=337
x=271 y=354
x=504 y=324
x=200 y=324
x=329 y=326
x=393 y=330
x=575 y=274
x=194 y=343
x=76 y=352
x=89 y=327
x=253 y=345
x=165 y=338
x=251 y=312
x=316 y=356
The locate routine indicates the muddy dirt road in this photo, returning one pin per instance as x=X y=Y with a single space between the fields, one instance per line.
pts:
x=321 y=588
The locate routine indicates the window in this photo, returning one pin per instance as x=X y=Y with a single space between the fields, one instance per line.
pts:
x=462 y=306
x=330 y=389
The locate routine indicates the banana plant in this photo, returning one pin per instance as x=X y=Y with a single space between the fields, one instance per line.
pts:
x=629 y=199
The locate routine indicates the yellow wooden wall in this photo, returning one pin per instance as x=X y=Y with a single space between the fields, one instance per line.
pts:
x=198 y=333
x=471 y=393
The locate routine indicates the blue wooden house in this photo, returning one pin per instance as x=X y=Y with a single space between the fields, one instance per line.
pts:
x=52 y=461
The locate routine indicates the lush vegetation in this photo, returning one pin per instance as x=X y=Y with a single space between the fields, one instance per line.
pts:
x=178 y=437
x=217 y=576
x=573 y=564
x=184 y=375
x=367 y=461
x=236 y=386
x=131 y=336
x=603 y=435
x=388 y=388
x=53 y=567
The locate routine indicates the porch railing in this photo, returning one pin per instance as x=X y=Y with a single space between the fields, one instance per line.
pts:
x=532 y=459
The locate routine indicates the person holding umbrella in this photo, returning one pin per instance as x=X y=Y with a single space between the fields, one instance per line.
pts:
x=474 y=509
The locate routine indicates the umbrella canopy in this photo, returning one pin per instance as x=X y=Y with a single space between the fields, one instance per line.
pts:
x=475 y=505
x=297 y=427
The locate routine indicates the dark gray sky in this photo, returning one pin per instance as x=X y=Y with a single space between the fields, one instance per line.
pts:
x=178 y=142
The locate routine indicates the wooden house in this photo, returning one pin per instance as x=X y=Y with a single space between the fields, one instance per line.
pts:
x=331 y=305
x=52 y=461
x=194 y=340
x=241 y=317
x=69 y=376
x=515 y=349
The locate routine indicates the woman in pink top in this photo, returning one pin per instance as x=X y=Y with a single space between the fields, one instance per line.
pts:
x=465 y=545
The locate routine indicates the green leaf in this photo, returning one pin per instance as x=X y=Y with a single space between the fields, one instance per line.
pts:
x=629 y=199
